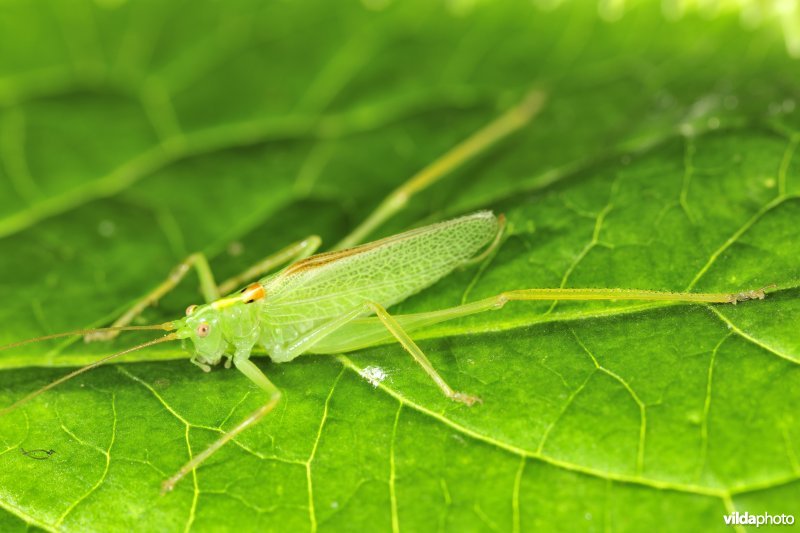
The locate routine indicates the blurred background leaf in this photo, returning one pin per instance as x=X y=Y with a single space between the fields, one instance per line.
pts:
x=134 y=133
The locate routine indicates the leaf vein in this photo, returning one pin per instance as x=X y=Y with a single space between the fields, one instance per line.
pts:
x=393 y=472
x=312 y=516
x=743 y=334
x=639 y=403
x=707 y=407
x=521 y=452
x=106 y=453
x=777 y=201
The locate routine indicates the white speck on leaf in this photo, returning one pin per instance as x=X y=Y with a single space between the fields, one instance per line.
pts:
x=374 y=375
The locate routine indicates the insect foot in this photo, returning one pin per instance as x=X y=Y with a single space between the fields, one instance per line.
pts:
x=167 y=486
x=466 y=398
x=757 y=294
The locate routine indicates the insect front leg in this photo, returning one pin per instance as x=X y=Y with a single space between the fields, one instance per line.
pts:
x=249 y=369
x=411 y=347
x=207 y=285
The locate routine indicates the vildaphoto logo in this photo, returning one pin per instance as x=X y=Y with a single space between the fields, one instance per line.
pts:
x=764 y=519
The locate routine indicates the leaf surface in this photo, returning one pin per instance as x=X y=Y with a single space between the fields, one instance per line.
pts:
x=133 y=134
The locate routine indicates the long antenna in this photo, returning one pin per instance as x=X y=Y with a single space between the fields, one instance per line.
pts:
x=166 y=326
x=59 y=381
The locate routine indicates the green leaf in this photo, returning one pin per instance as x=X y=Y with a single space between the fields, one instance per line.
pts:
x=132 y=134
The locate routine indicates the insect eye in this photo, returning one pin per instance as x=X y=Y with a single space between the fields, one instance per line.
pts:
x=190 y=309
x=202 y=330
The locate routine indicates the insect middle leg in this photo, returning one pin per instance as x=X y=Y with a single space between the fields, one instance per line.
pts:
x=208 y=285
x=293 y=252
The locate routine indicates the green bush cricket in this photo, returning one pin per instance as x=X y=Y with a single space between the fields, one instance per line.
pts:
x=336 y=301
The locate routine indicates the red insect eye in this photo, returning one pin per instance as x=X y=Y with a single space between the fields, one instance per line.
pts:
x=190 y=309
x=202 y=330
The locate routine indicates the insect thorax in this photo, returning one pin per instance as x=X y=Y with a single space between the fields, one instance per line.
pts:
x=215 y=333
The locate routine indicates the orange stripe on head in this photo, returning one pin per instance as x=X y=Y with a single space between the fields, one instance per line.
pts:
x=251 y=293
